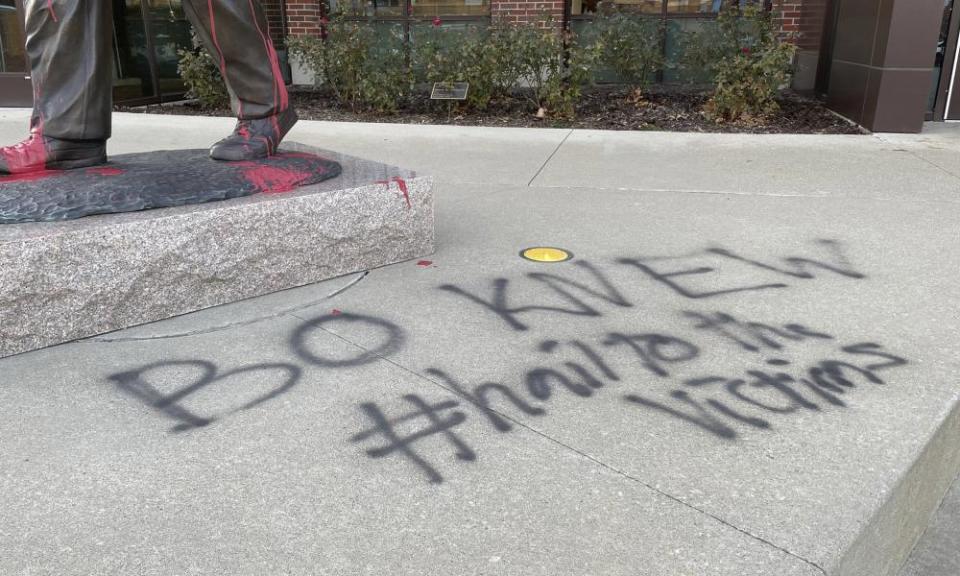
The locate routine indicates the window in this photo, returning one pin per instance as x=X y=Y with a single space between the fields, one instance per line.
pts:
x=678 y=18
x=147 y=36
x=12 y=57
x=415 y=9
x=678 y=7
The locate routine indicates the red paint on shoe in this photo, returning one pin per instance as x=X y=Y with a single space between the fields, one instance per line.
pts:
x=27 y=156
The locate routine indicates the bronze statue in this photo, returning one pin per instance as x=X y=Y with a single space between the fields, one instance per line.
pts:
x=70 y=53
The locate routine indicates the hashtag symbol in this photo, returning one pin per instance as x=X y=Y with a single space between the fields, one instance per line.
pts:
x=435 y=423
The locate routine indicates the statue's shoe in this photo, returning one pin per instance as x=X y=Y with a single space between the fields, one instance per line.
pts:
x=38 y=153
x=253 y=139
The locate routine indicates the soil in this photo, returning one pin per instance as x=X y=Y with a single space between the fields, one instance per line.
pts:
x=601 y=108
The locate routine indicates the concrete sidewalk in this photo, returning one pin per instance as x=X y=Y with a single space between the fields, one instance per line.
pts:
x=749 y=368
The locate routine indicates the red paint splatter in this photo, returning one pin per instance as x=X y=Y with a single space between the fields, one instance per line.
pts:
x=425 y=263
x=276 y=131
x=281 y=99
x=105 y=171
x=401 y=184
x=29 y=176
x=213 y=36
x=273 y=179
x=335 y=312
x=403 y=188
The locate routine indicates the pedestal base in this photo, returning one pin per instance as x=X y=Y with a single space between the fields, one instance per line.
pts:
x=61 y=281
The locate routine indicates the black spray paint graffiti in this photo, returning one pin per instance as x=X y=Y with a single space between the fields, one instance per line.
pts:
x=140 y=383
x=393 y=339
x=598 y=286
x=137 y=383
x=564 y=287
x=717 y=404
x=772 y=386
x=437 y=425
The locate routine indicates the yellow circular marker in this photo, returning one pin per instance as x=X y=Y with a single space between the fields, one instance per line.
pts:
x=546 y=254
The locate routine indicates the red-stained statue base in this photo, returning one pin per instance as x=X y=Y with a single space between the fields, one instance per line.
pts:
x=153 y=180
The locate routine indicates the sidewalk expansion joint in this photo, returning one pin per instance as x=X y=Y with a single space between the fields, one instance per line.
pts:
x=577 y=451
x=919 y=157
x=549 y=158
x=237 y=324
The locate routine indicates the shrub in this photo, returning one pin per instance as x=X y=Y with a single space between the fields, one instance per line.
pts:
x=746 y=60
x=581 y=66
x=631 y=47
x=552 y=64
x=201 y=74
x=362 y=67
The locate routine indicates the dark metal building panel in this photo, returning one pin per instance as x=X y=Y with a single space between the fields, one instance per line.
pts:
x=883 y=62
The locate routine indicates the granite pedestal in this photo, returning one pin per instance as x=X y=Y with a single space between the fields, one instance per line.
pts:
x=62 y=281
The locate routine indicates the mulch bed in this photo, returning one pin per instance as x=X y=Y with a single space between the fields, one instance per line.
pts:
x=601 y=108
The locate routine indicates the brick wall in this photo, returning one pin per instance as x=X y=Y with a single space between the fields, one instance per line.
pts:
x=274 y=18
x=303 y=17
x=802 y=20
x=526 y=11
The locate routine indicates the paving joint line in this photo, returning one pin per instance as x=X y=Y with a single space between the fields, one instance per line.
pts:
x=549 y=158
x=827 y=195
x=237 y=324
x=930 y=524
x=579 y=452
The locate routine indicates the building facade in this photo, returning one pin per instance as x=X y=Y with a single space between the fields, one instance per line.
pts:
x=886 y=64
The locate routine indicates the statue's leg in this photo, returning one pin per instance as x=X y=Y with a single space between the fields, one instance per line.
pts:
x=68 y=46
x=236 y=34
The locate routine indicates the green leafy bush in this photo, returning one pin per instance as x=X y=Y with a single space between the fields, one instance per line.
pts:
x=504 y=60
x=444 y=54
x=363 y=66
x=581 y=64
x=201 y=74
x=551 y=64
x=629 y=46
x=746 y=60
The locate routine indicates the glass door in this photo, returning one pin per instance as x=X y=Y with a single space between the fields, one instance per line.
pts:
x=147 y=36
x=942 y=103
x=169 y=32
x=134 y=78
x=14 y=82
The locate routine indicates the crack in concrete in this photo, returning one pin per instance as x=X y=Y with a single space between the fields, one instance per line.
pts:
x=237 y=324
x=581 y=453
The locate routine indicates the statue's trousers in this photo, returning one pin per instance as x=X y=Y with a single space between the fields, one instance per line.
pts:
x=70 y=47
